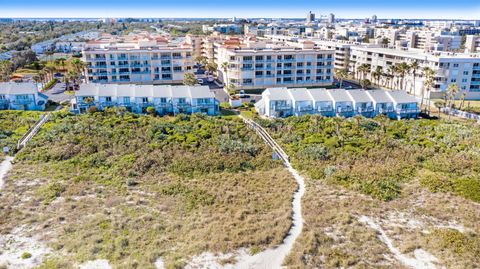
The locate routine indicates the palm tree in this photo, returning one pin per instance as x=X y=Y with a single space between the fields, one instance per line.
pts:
x=189 y=79
x=414 y=67
x=464 y=94
x=365 y=83
x=341 y=75
x=225 y=70
x=391 y=74
x=452 y=91
x=49 y=70
x=377 y=74
x=428 y=83
x=402 y=69
x=364 y=69
x=212 y=67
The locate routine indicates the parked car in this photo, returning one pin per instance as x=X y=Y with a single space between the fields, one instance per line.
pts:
x=200 y=81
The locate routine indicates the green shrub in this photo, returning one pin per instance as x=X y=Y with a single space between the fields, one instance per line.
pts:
x=26 y=255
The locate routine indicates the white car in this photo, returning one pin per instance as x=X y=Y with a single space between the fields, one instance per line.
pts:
x=200 y=81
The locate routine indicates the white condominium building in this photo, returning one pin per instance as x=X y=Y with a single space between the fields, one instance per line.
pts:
x=472 y=43
x=459 y=68
x=253 y=64
x=137 y=59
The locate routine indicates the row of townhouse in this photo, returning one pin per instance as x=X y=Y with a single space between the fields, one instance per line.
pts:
x=284 y=102
x=253 y=64
x=462 y=69
x=166 y=99
x=21 y=96
x=141 y=58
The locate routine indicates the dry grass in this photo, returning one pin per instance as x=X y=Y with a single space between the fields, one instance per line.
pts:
x=159 y=212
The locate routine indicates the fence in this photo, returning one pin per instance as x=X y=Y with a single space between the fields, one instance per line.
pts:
x=461 y=114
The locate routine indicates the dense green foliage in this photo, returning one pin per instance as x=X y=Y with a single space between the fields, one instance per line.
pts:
x=147 y=187
x=376 y=156
x=21 y=35
x=14 y=124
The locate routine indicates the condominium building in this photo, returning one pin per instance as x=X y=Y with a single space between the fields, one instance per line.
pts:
x=260 y=64
x=462 y=69
x=165 y=99
x=284 y=102
x=472 y=43
x=21 y=96
x=141 y=58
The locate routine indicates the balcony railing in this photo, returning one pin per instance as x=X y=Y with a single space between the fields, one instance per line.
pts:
x=407 y=110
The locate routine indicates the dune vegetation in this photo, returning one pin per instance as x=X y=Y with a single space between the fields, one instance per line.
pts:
x=131 y=188
x=13 y=124
x=418 y=179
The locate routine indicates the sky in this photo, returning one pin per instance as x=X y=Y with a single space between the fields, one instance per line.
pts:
x=409 y=9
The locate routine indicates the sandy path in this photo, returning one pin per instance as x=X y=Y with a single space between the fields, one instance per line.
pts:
x=5 y=166
x=271 y=258
x=422 y=259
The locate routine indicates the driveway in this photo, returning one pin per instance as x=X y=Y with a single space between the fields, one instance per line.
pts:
x=57 y=93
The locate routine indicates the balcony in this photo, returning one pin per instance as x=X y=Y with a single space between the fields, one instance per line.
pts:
x=305 y=108
x=407 y=110
x=364 y=109
x=281 y=107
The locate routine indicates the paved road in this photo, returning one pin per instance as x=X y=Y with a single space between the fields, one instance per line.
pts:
x=57 y=93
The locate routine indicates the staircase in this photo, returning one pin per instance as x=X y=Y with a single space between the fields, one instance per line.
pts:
x=33 y=131
x=267 y=139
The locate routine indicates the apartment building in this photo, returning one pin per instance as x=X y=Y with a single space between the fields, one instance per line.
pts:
x=427 y=40
x=460 y=68
x=21 y=96
x=165 y=99
x=284 y=102
x=223 y=28
x=140 y=58
x=472 y=43
x=256 y=64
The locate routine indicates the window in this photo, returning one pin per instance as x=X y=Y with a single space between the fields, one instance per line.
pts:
x=258 y=58
x=453 y=80
x=177 y=55
x=464 y=80
x=163 y=100
x=177 y=68
x=166 y=76
x=465 y=73
x=2 y=97
x=144 y=99
x=247 y=58
x=126 y=100
x=108 y=99
x=247 y=80
x=299 y=64
x=279 y=65
x=455 y=65
x=182 y=100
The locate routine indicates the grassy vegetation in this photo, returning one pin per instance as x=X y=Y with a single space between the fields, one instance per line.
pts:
x=377 y=156
x=425 y=169
x=132 y=188
x=13 y=125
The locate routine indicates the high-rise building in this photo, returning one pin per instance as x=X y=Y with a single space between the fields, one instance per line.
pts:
x=310 y=17
x=331 y=18
x=374 y=19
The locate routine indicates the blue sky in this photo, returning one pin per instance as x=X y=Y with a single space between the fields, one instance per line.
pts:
x=444 y=9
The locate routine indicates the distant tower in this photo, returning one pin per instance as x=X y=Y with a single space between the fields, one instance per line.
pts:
x=310 y=17
x=331 y=18
x=374 y=19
